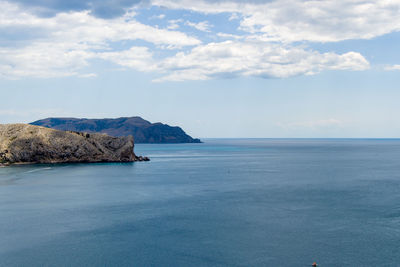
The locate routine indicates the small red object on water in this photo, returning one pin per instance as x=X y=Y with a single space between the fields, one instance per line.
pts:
x=314 y=264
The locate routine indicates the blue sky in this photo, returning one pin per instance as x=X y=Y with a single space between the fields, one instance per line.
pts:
x=283 y=68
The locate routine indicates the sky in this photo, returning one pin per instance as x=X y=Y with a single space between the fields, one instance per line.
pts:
x=232 y=68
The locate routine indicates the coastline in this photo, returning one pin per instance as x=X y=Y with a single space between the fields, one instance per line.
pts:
x=138 y=159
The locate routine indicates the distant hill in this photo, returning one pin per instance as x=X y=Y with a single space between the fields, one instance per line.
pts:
x=143 y=131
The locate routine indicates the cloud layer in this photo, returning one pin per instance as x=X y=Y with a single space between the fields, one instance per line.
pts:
x=236 y=58
x=303 y=20
x=68 y=41
x=57 y=38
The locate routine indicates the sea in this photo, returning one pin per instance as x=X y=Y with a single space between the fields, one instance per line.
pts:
x=225 y=202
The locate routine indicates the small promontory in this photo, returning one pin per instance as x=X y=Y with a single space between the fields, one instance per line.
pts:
x=24 y=143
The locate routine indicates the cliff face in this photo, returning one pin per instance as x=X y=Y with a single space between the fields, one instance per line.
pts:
x=142 y=130
x=24 y=143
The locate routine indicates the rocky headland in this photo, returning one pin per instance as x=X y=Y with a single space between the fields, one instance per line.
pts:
x=142 y=130
x=24 y=143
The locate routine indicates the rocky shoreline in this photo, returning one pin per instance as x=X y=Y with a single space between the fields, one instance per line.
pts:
x=29 y=144
x=141 y=158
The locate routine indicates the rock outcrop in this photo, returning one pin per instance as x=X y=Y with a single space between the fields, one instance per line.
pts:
x=143 y=131
x=24 y=143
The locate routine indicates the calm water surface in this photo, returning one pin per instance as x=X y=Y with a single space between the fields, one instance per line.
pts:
x=260 y=202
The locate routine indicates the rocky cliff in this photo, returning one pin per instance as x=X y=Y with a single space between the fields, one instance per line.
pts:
x=24 y=143
x=143 y=131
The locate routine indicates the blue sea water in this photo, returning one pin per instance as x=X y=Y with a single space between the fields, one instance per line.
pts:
x=226 y=202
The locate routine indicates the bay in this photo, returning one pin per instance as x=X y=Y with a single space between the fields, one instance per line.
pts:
x=226 y=202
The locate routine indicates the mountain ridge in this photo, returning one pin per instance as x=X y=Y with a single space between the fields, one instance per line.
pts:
x=142 y=130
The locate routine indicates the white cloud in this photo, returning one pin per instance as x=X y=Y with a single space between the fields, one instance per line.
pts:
x=43 y=59
x=234 y=16
x=393 y=67
x=161 y=16
x=201 y=26
x=139 y=58
x=310 y=20
x=70 y=40
x=87 y=75
x=235 y=58
x=82 y=27
x=229 y=36
x=173 y=24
